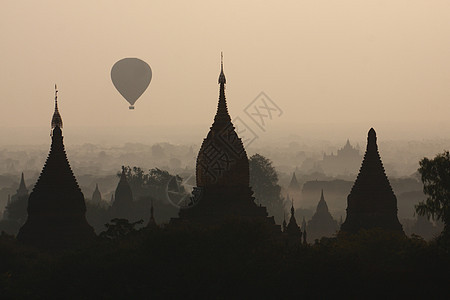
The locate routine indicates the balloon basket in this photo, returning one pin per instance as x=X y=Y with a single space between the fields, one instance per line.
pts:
x=131 y=107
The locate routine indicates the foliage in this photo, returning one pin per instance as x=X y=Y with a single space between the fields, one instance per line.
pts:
x=120 y=228
x=435 y=175
x=205 y=262
x=264 y=182
x=152 y=187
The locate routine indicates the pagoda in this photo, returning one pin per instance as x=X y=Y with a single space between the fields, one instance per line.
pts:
x=22 y=190
x=222 y=175
x=292 y=228
x=16 y=208
x=322 y=223
x=371 y=202
x=294 y=188
x=56 y=207
x=122 y=205
x=96 y=195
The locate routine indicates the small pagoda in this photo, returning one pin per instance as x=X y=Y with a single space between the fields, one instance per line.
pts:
x=122 y=205
x=322 y=223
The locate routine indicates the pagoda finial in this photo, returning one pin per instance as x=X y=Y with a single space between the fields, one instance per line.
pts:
x=222 y=79
x=56 y=120
x=371 y=138
x=222 y=117
x=22 y=190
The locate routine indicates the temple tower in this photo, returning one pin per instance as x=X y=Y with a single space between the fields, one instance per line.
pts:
x=96 y=195
x=22 y=190
x=222 y=174
x=122 y=207
x=56 y=207
x=371 y=202
x=322 y=223
x=294 y=188
x=292 y=228
x=16 y=208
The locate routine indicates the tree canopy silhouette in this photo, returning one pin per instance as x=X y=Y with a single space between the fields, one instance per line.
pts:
x=435 y=174
x=120 y=228
x=264 y=182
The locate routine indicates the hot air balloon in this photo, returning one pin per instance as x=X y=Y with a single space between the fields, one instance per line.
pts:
x=131 y=77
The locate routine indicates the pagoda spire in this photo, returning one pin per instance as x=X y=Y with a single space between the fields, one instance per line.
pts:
x=96 y=195
x=322 y=206
x=292 y=229
x=294 y=185
x=22 y=190
x=292 y=207
x=56 y=119
x=152 y=222
x=222 y=117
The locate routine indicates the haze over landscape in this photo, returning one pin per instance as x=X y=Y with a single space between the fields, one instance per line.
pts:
x=309 y=158
x=334 y=68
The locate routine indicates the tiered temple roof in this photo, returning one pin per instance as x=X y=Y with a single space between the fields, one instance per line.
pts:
x=371 y=202
x=222 y=174
x=56 y=207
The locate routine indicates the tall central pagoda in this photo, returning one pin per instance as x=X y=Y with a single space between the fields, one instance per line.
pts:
x=222 y=174
x=371 y=202
x=56 y=207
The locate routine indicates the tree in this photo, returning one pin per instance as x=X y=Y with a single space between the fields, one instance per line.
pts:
x=264 y=181
x=120 y=228
x=435 y=175
x=153 y=187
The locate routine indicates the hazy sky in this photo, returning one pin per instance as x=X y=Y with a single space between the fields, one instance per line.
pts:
x=341 y=65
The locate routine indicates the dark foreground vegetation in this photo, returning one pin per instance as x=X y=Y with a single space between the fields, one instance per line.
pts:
x=234 y=260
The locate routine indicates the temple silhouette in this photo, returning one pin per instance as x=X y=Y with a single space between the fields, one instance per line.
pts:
x=122 y=205
x=291 y=230
x=322 y=223
x=222 y=175
x=96 y=195
x=56 y=207
x=346 y=160
x=371 y=202
x=294 y=188
x=16 y=207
